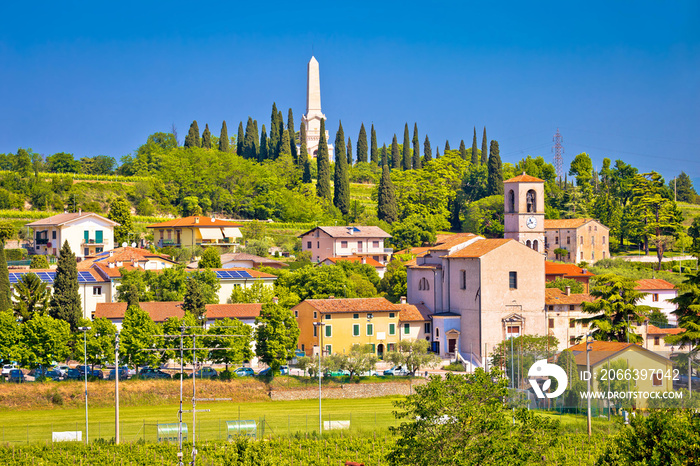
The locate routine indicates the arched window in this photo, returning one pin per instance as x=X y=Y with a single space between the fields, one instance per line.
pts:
x=531 y=201
x=528 y=243
x=423 y=284
x=535 y=245
x=511 y=201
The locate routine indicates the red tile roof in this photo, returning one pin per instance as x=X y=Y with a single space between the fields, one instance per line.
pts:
x=198 y=221
x=553 y=296
x=480 y=247
x=568 y=223
x=653 y=284
x=341 y=305
x=524 y=178
x=600 y=351
x=414 y=313
x=654 y=330
x=567 y=270
x=161 y=311
x=452 y=241
x=124 y=255
x=344 y=232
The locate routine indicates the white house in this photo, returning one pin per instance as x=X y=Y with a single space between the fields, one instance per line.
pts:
x=86 y=232
x=659 y=293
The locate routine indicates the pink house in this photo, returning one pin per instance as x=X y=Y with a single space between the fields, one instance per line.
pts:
x=324 y=242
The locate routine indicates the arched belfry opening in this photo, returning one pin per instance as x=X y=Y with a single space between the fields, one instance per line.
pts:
x=531 y=199
x=511 y=201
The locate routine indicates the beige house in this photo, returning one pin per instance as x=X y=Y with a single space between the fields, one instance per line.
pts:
x=585 y=239
x=324 y=242
x=562 y=310
x=86 y=232
x=196 y=230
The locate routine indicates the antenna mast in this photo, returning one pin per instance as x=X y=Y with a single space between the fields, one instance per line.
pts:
x=558 y=150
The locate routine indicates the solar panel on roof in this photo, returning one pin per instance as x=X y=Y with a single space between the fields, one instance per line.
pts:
x=245 y=274
x=14 y=278
x=86 y=277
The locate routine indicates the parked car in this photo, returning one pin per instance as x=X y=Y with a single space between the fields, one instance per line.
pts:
x=96 y=374
x=265 y=372
x=45 y=373
x=150 y=373
x=123 y=373
x=284 y=370
x=6 y=368
x=244 y=372
x=63 y=370
x=82 y=369
x=53 y=375
x=206 y=373
x=396 y=370
x=73 y=374
x=16 y=376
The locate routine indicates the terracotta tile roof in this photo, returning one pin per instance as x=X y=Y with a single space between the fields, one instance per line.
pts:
x=161 y=311
x=253 y=273
x=125 y=255
x=62 y=219
x=481 y=247
x=567 y=270
x=414 y=313
x=340 y=305
x=653 y=284
x=357 y=232
x=553 y=296
x=240 y=256
x=600 y=351
x=567 y=223
x=654 y=330
x=524 y=178
x=455 y=240
x=415 y=251
x=113 y=272
x=368 y=260
x=199 y=221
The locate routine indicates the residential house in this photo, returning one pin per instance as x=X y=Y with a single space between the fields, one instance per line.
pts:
x=655 y=340
x=87 y=234
x=378 y=266
x=324 y=242
x=196 y=230
x=414 y=321
x=604 y=354
x=240 y=259
x=344 y=322
x=562 y=312
x=659 y=294
x=555 y=270
x=585 y=239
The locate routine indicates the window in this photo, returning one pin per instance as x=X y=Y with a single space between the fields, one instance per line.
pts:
x=343 y=244
x=571 y=307
x=589 y=228
x=513 y=280
x=86 y=236
x=603 y=240
x=315 y=331
x=595 y=227
x=53 y=234
x=535 y=245
x=528 y=243
x=302 y=347
x=328 y=349
x=308 y=245
x=359 y=246
x=568 y=240
x=296 y=313
x=426 y=327
x=581 y=240
x=572 y=323
x=97 y=291
x=531 y=198
x=556 y=240
x=406 y=329
x=423 y=284
x=592 y=240
x=551 y=323
x=592 y=255
x=392 y=315
x=511 y=201
x=463 y=279
x=572 y=341
x=656 y=379
x=375 y=244
x=329 y=330
x=551 y=308
x=437 y=333
x=318 y=245
x=656 y=341
x=98 y=237
x=356 y=316
x=655 y=297
x=86 y=251
x=327 y=317
x=584 y=324
x=355 y=330
x=391 y=347
x=392 y=329
x=370 y=329
x=315 y=315
x=581 y=255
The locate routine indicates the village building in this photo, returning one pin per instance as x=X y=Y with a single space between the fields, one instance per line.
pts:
x=368 y=241
x=196 y=230
x=659 y=294
x=584 y=239
x=558 y=270
x=240 y=259
x=563 y=311
x=87 y=234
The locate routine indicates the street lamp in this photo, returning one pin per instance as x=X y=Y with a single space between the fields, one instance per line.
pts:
x=85 y=330
x=319 y=326
x=588 y=382
x=116 y=388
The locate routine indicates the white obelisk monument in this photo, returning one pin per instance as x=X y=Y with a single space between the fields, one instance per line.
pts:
x=313 y=116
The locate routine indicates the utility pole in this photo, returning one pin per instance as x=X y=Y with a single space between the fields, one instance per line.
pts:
x=588 y=383
x=116 y=389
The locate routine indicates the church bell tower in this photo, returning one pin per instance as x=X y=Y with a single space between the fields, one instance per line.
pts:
x=524 y=210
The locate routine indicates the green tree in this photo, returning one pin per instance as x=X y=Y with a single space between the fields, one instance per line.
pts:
x=362 y=145
x=7 y=231
x=341 y=180
x=463 y=420
x=415 y=230
x=495 y=176
x=575 y=286
x=133 y=287
x=394 y=281
x=194 y=301
x=349 y=153
x=360 y=359
x=427 y=151
x=276 y=335
x=275 y=132
x=683 y=187
x=694 y=233
x=39 y=262
x=138 y=334
x=386 y=199
x=615 y=311
x=45 y=340
x=31 y=296
x=211 y=259
x=12 y=346
x=99 y=341
x=416 y=147
x=407 y=160
x=413 y=354
x=192 y=138
x=206 y=137
x=62 y=163
x=265 y=149
x=396 y=159
x=285 y=145
x=65 y=301
x=485 y=217
x=233 y=349
x=240 y=139
x=120 y=212
x=687 y=314
x=475 y=150
x=223 y=138
x=374 y=153
x=517 y=354
x=572 y=396
x=447 y=146
x=463 y=150
x=249 y=141
x=484 y=148
x=292 y=136
x=323 y=186
x=384 y=160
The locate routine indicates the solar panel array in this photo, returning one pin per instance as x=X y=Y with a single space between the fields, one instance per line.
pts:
x=86 y=277
x=232 y=274
x=49 y=277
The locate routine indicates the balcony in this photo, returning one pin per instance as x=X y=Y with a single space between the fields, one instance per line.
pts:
x=388 y=250
x=92 y=242
x=41 y=241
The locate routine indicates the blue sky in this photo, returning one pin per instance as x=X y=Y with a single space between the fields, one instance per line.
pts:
x=620 y=79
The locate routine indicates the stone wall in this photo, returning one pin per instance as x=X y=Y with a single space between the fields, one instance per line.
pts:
x=366 y=390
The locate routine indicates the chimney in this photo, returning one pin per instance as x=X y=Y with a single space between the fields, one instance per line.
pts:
x=568 y=291
x=364 y=260
x=110 y=265
x=403 y=300
x=275 y=300
x=196 y=220
x=111 y=253
x=349 y=230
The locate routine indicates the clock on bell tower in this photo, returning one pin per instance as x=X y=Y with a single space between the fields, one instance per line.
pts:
x=524 y=210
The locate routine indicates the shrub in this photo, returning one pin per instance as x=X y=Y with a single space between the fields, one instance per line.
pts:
x=15 y=254
x=39 y=262
x=454 y=367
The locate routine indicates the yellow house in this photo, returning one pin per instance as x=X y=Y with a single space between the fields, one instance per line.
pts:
x=196 y=230
x=344 y=322
x=648 y=371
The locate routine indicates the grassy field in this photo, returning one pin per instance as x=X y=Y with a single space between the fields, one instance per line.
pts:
x=689 y=211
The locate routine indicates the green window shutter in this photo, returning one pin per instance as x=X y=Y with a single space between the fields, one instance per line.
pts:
x=98 y=237
x=406 y=328
x=392 y=329
x=356 y=330
x=328 y=330
x=370 y=329
x=86 y=235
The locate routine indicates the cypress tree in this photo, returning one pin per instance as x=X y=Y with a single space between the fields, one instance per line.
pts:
x=65 y=300
x=407 y=161
x=447 y=146
x=206 y=137
x=427 y=150
x=192 y=138
x=249 y=140
x=362 y=145
x=304 y=162
x=385 y=156
x=239 y=139
x=484 y=149
x=285 y=147
x=264 y=145
x=341 y=182
x=292 y=136
x=349 y=152
x=395 y=154
x=323 y=186
x=475 y=153
x=306 y=175
x=5 y=295
x=256 y=140
x=386 y=199
x=223 y=138
x=274 y=133
x=463 y=150
x=437 y=153
x=374 y=154
x=416 y=147
x=495 y=175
